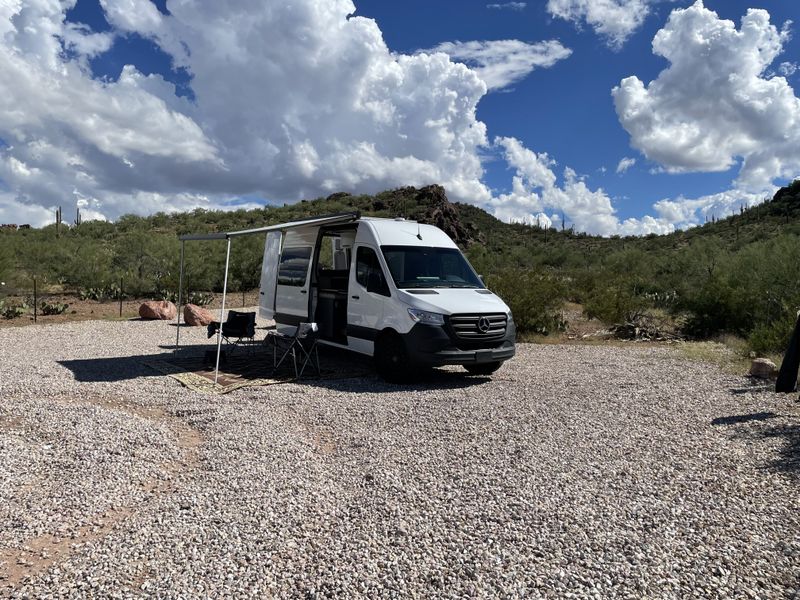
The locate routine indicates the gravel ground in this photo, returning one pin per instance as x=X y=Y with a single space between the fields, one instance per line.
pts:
x=584 y=470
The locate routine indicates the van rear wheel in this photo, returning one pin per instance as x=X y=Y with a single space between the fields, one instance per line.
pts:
x=391 y=358
x=483 y=368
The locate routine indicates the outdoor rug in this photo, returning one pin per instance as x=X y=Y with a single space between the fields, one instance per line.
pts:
x=247 y=369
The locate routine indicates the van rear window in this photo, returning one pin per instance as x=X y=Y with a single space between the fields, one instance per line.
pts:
x=293 y=267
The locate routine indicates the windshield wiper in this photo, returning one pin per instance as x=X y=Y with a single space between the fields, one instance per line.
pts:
x=407 y=285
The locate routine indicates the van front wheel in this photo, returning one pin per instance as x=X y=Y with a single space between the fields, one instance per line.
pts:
x=483 y=368
x=391 y=358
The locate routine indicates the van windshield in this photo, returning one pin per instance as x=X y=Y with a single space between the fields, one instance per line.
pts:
x=420 y=267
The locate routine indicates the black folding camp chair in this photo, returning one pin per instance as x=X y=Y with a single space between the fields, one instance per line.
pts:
x=787 y=376
x=238 y=329
x=302 y=347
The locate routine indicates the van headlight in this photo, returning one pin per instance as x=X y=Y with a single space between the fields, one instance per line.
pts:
x=425 y=317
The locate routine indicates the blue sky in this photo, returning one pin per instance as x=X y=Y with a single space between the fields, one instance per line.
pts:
x=143 y=106
x=567 y=110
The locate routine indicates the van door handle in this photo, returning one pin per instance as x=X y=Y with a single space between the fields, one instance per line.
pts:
x=355 y=297
x=303 y=292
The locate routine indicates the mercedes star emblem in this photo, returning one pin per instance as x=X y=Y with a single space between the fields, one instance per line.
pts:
x=484 y=325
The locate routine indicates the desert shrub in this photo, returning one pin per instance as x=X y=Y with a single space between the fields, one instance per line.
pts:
x=615 y=303
x=168 y=295
x=101 y=293
x=772 y=337
x=12 y=310
x=535 y=299
x=91 y=293
x=754 y=293
x=201 y=298
x=628 y=283
x=53 y=308
x=114 y=292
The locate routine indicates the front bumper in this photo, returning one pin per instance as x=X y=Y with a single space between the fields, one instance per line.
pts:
x=431 y=346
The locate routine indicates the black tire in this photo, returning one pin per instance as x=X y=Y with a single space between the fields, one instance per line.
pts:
x=391 y=359
x=483 y=368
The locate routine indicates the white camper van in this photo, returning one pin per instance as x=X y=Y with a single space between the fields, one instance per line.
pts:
x=390 y=288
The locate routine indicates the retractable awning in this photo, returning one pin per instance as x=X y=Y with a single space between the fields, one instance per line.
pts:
x=334 y=219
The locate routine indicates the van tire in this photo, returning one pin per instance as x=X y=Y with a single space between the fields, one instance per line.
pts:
x=483 y=368
x=391 y=358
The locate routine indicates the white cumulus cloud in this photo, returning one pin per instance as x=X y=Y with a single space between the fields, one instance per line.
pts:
x=536 y=191
x=16 y=212
x=787 y=69
x=688 y=212
x=508 y=5
x=614 y=20
x=625 y=164
x=714 y=105
x=501 y=63
x=291 y=100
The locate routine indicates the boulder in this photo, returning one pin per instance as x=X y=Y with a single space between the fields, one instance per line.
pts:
x=196 y=315
x=158 y=309
x=763 y=368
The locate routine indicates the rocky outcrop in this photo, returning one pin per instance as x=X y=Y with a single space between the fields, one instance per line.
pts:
x=194 y=315
x=158 y=309
x=444 y=214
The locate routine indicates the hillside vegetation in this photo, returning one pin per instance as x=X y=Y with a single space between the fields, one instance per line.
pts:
x=739 y=275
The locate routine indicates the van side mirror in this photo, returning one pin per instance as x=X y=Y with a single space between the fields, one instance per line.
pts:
x=481 y=278
x=376 y=284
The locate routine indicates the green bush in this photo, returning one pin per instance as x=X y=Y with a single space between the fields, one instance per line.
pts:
x=91 y=293
x=201 y=298
x=772 y=337
x=753 y=293
x=101 y=293
x=535 y=299
x=12 y=310
x=167 y=295
x=614 y=304
x=53 y=308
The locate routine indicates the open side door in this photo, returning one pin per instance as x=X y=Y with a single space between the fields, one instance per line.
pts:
x=269 y=274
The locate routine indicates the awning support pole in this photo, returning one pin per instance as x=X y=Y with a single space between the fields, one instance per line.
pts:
x=222 y=310
x=180 y=298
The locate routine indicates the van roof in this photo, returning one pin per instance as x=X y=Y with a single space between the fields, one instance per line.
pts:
x=399 y=232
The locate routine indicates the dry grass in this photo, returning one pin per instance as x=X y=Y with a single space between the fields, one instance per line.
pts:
x=730 y=353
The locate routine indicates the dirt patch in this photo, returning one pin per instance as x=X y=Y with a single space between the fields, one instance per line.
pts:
x=321 y=438
x=40 y=553
x=10 y=423
x=578 y=324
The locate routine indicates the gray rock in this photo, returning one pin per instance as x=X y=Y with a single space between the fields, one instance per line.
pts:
x=763 y=368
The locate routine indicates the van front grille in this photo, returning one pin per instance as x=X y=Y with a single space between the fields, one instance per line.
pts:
x=479 y=327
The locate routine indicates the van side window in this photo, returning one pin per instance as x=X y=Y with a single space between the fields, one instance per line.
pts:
x=369 y=272
x=293 y=267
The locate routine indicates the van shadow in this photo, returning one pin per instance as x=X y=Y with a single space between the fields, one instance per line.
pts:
x=340 y=370
x=368 y=382
x=788 y=458
x=111 y=369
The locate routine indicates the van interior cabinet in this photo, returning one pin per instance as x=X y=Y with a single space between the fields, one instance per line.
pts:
x=331 y=312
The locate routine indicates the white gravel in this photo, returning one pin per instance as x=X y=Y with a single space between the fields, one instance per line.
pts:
x=585 y=470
